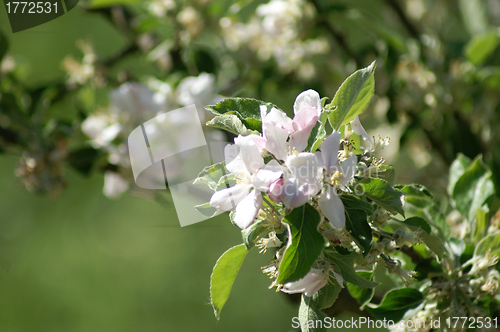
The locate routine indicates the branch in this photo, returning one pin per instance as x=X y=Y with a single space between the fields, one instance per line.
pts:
x=339 y=37
x=415 y=256
x=406 y=22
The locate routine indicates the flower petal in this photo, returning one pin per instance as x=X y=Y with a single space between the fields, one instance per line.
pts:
x=234 y=161
x=249 y=152
x=227 y=199
x=310 y=284
x=348 y=169
x=277 y=118
x=275 y=140
x=308 y=98
x=304 y=167
x=303 y=123
x=359 y=130
x=332 y=207
x=329 y=151
x=247 y=209
x=265 y=176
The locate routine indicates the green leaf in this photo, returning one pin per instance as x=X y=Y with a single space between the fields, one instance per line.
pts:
x=473 y=188
x=352 y=202
x=230 y=123
x=211 y=175
x=353 y=96
x=223 y=276
x=481 y=223
x=252 y=233
x=357 y=226
x=226 y=181
x=479 y=48
x=415 y=189
x=490 y=243
x=418 y=202
x=362 y=294
x=417 y=222
x=304 y=245
x=327 y=295
x=311 y=319
x=206 y=210
x=458 y=167
x=344 y=264
x=318 y=133
x=396 y=303
x=434 y=243
x=4 y=45
x=246 y=109
x=382 y=193
x=387 y=173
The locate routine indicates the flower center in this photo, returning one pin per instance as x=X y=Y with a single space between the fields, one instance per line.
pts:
x=292 y=151
x=336 y=179
x=242 y=178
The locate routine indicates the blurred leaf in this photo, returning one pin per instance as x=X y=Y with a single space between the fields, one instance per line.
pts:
x=481 y=223
x=427 y=268
x=434 y=243
x=362 y=294
x=468 y=253
x=211 y=175
x=4 y=45
x=83 y=159
x=304 y=246
x=382 y=193
x=417 y=222
x=247 y=110
x=458 y=167
x=473 y=188
x=490 y=243
x=230 y=123
x=481 y=47
x=357 y=226
x=490 y=77
x=206 y=209
x=327 y=295
x=225 y=271
x=353 y=96
x=309 y=316
x=110 y=3
x=456 y=246
x=474 y=16
x=346 y=265
x=418 y=202
x=396 y=303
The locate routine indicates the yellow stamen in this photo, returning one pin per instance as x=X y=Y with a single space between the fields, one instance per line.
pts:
x=335 y=180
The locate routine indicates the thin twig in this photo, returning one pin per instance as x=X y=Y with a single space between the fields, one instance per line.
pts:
x=339 y=37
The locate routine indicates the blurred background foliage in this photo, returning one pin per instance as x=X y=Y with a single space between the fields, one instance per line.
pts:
x=84 y=262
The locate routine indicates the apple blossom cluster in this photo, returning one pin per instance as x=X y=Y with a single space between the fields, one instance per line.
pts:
x=324 y=202
x=292 y=177
x=276 y=172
